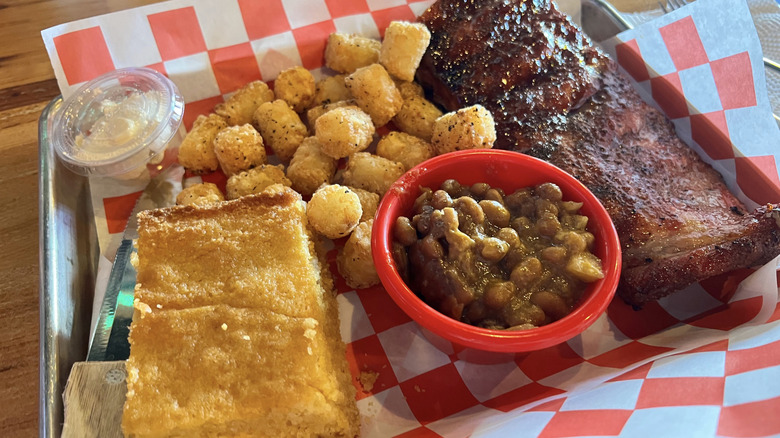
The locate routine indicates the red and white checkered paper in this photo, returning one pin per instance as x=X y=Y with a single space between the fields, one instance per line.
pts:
x=702 y=362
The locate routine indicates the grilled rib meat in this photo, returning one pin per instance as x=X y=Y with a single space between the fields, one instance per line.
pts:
x=523 y=60
x=554 y=95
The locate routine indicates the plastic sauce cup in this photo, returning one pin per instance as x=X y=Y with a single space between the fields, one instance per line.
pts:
x=118 y=124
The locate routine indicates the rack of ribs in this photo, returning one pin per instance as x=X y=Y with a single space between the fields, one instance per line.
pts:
x=557 y=96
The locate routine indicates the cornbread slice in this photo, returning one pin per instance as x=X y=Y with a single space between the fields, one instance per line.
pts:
x=218 y=359
x=253 y=252
x=218 y=369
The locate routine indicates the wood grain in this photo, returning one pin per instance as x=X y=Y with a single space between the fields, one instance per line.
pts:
x=26 y=85
x=28 y=94
x=23 y=58
x=94 y=397
x=19 y=271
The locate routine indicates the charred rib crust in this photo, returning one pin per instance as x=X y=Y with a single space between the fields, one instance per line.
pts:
x=678 y=223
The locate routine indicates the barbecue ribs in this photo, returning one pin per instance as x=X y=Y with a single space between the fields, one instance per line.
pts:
x=556 y=96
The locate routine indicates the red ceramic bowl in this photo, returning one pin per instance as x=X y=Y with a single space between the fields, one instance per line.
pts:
x=509 y=171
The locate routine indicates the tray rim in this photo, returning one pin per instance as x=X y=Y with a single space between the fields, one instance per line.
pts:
x=68 y=261
x=47 y=358
x=54 y=362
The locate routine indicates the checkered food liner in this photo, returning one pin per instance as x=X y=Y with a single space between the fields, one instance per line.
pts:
x=702 y=362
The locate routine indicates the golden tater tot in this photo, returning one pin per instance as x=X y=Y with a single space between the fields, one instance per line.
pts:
x=239 y=148
x=310 y=167
x=354 y=260
x=344 y=131
x=255 y=180
x=196 y=151
x=466 y=128
x=211 y=118
x=315 y=112
x=404 y=148
x=375 y=93
x=329 y=90
x=369 y=201
x=200 y=195
x=371 y=172
x=409 y=89
x=417 y=116
x=281 y=127
x=334 y=211
x=403 y=48
x=239 y=108
x=346 y=53
x=296 y=86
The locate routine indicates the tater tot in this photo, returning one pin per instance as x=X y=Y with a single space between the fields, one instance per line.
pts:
x=409 y=89
x=403 y=48
x=255 y=180
x=466 y=128
x=329 y=90
x=354 y=260
x=296 y=86
x=200 y=195
x=417 y=116
x=334 y=211
x=346 y=53
x=196 y=152
x=344 y=131
x=404 y=148
x=240 y=107
x=315 y=112
x=371 y=172
x=239 y=148
x=375 y=93
x=281 y=127
x=369 y=201
x=310 y=167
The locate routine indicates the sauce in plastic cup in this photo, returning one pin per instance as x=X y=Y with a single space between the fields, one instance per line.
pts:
x=118 y=123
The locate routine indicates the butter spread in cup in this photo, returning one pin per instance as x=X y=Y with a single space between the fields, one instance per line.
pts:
x=118 y=123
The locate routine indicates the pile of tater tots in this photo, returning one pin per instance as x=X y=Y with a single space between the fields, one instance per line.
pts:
x=314 y=126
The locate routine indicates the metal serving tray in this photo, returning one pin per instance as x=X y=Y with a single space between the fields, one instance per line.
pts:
x=68 y=264
x=69 y=254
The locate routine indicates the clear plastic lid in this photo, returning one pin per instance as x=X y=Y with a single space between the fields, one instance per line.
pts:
x=117 y=122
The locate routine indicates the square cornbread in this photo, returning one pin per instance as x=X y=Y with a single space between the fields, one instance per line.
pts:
x=255 y=352
x=252 y=252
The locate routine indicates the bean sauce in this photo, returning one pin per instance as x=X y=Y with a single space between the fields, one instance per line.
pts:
x=493 y=260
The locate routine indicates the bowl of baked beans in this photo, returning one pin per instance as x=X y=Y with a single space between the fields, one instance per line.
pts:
x=496 y=250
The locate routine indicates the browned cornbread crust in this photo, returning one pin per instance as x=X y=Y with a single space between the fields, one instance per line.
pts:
x=252 y=252
x=236 y=330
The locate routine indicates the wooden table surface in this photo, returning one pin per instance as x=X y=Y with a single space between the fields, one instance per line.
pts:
x=27 y=84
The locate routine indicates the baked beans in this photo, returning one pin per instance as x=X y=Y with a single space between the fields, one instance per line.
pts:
x=493 y=260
